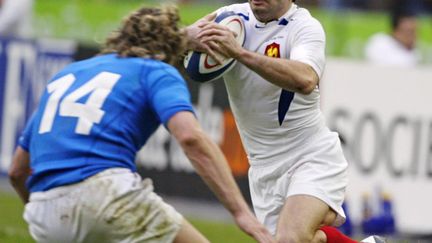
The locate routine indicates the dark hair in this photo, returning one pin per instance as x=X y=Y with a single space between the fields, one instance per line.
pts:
x=402 y=9
x=149 y=33
x=397 y=16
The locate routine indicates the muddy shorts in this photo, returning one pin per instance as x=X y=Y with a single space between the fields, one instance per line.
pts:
x=115 y=205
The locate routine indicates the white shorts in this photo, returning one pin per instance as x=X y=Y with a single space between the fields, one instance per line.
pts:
x=318 y=169
x=112 y=206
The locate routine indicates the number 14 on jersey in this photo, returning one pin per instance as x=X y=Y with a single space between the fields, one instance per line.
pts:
x=88 y=113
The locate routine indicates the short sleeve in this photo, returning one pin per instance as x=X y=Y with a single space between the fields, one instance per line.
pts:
x=167 y=92
x=25 y=138
x=309 y=45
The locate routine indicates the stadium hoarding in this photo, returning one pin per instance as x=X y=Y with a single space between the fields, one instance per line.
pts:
x=384 y=118
x=25 y=66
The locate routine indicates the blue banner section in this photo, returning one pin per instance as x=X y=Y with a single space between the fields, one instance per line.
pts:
x=25 y=67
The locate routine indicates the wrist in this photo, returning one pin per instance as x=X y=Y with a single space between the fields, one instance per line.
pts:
x=242 y=210
x=190 y=43
x=241 y=55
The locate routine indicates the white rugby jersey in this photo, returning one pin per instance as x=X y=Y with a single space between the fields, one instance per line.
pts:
x=272 y=122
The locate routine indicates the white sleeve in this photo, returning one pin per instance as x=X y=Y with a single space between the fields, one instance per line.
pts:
x=308 y=45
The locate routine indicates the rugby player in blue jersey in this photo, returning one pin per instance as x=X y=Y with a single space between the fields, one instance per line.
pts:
x=74 y=166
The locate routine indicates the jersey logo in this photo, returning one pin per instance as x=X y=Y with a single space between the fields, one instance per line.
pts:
x=273 y=50
x=286 y=97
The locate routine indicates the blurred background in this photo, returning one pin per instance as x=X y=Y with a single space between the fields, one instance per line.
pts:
x=376 y=92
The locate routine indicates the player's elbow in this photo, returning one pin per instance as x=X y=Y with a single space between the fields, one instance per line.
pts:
x=197 y=147
x=187 y=131
x=17 y=176
x=306 y=80
x=306 y=84
x=190 y=139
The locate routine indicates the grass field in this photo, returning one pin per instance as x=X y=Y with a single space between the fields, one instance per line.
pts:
x=13 y=228
x=91 y=20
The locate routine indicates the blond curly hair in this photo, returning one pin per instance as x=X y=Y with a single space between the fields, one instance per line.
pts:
x=149 y=33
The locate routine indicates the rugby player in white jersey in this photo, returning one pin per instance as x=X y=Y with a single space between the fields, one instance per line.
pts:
x=298 y=172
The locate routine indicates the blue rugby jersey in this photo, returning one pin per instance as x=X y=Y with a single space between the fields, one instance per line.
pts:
x=96 y=114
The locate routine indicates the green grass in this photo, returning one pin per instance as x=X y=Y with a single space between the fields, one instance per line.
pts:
x=13 y=229
x=220 y=232
x=89 y=21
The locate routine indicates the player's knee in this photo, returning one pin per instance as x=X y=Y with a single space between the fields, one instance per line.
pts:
x=319 y=237
x=330 y=217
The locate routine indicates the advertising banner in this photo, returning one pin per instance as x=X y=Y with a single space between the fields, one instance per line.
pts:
x=384 y=119
x=25 y=67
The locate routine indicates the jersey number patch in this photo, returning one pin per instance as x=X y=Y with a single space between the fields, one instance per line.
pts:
x=88 y=113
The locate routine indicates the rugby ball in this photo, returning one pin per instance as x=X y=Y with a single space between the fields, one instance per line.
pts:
x=200 y=66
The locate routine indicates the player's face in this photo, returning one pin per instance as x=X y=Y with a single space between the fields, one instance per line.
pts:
x=268 y=10
x=406 y=32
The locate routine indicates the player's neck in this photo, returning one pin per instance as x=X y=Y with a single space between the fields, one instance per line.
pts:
x=272 y=16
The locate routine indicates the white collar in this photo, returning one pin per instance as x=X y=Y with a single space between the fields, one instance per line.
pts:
x=283 y=20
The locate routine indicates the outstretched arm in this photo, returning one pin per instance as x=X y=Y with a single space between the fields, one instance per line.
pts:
x=211 y=165
x=19 y=172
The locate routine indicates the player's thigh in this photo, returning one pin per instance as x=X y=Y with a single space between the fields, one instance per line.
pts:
x=322 y=174
x=189 y=233
x=44 y=221
x=301 y=216
x=139 y=215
